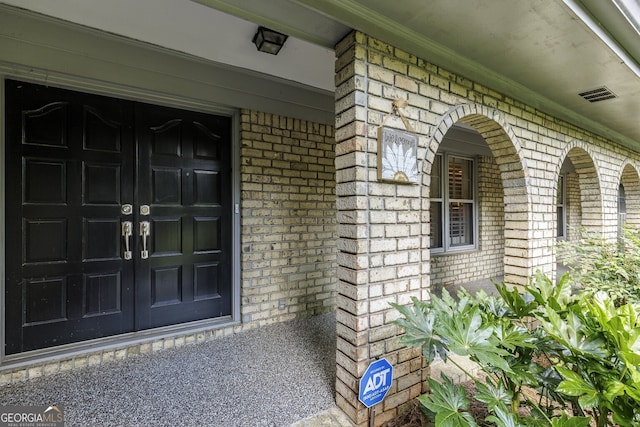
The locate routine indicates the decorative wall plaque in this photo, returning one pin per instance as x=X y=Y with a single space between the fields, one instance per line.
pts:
x=397 y=156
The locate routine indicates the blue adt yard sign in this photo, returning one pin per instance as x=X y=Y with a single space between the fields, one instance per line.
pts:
x=375 y=383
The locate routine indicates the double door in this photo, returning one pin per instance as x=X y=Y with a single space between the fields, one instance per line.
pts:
x=118 y=216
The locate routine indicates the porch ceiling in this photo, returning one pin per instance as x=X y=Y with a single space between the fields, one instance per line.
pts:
x=541 y=52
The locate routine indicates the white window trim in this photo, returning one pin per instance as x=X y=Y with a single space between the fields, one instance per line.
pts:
x=446 y=248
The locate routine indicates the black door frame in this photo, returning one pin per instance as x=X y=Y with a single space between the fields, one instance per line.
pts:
x=145 y=96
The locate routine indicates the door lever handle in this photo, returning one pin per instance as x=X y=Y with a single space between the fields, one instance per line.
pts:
x=145 y=232
x=127 y=232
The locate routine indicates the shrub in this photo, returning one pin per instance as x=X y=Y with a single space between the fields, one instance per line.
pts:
x=600 y=265
x=593 y=346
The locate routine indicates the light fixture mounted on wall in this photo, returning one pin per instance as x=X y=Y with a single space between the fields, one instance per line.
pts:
x=269 y=41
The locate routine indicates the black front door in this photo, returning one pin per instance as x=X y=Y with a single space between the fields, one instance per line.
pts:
x=118 y=216
x=184 y=178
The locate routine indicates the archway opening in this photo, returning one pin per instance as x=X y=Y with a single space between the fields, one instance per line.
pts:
x=478 y=202
x=629 y=198
x=467 y=213
x=578 y=201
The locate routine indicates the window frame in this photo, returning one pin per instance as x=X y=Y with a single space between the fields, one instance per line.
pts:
x=622 y=210
x=445 y=201
x=561 y=203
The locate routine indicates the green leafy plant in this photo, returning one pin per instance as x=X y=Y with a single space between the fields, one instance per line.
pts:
x=580 y=353
x=597 y=264
x=449 y=404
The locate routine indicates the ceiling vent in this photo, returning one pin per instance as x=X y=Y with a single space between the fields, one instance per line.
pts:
x=599 y=94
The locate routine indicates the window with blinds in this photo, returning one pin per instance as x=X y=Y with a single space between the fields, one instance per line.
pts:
x=453 y=203
x=560 y=208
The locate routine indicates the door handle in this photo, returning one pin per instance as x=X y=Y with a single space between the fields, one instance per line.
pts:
x=145 y=232
x=127 y=232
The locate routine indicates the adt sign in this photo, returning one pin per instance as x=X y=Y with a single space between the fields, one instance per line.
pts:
x=375 y=383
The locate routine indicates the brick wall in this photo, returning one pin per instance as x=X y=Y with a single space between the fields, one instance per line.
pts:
x=383 y=229
x=488 y=260
x=288 y=218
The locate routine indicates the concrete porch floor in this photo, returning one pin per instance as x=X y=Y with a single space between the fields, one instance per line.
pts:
x=272 y=376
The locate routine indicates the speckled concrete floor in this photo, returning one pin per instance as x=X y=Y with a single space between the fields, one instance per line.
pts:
x=272 y=376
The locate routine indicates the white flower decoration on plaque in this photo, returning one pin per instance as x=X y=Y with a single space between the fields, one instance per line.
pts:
x=398 y=156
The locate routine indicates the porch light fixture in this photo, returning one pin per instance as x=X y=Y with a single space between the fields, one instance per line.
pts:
x=269 y=41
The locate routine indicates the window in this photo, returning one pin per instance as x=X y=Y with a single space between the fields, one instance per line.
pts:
x=453 y=203
x=561 y=208
x=622 y=211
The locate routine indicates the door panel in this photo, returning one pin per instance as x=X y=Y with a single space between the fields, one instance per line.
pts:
x=184 y=162
x=72 y=161
x=67 y=172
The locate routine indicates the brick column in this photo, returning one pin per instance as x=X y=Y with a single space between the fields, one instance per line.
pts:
x=379 y=242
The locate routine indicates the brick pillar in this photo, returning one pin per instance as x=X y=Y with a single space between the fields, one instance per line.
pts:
x=379 y=242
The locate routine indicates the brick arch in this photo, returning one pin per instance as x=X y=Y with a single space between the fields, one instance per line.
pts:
x=589 y=183
x=630 y=179
x=507 y=151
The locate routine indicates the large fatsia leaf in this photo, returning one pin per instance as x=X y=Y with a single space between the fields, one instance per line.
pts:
x=614 y=389
x=522 y=305
x=493 y=307
x=574 y=385
x=573 y=334
x=622 y=328
x=449 y=403
x=466 y=336
x=545 y=292
x=629 y=314
x=417 y=322
x=493 y=394
x=601 y=306
x=512 y=336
